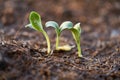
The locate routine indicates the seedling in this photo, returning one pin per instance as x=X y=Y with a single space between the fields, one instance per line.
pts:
x=76 y=31
x=58 y=32
x=36 y=24
x=56 y=26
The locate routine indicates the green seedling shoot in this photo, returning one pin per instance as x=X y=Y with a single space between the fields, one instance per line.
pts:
x=36 y=24
x=76 y=31
x=56 y=26
x=58 y=32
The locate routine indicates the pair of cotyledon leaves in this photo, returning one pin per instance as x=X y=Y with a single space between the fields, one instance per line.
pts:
x=35 y=23
x=63 y=26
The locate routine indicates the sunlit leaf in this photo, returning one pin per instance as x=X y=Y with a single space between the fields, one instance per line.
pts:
x=77 y=27
x=66 y=25
x=30 y=26
x=35 y=21
x=54 y=25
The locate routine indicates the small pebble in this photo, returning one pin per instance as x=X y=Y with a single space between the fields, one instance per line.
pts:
x=77 y=61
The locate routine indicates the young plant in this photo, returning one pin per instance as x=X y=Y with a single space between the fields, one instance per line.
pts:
x=36 y=24
x=58 y=30
x=76 y=31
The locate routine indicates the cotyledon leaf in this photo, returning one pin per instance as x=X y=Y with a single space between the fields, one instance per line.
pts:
x=77 y=27
x=66 y=25
x=30 y=26
x=35 y=21
x=54 y=25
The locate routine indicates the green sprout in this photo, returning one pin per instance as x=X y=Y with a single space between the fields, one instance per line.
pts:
x=58 y=32
x=56 y=26
x=76 y=31
x=36 y=24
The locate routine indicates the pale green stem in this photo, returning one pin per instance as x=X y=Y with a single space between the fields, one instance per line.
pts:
x=48 y=42
x=57 y=41
x=77 y=40
x=79 y=48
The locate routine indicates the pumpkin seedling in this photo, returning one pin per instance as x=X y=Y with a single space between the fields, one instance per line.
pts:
x=58 y=32
x=76 y=31
x=36 y=24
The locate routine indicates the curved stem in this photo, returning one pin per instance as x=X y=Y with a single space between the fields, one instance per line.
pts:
x=48 y=42
x=77 y=40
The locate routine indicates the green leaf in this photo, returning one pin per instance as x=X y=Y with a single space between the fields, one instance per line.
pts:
x=75 y=34
x=76 y=31
x=30 y=26
x=77 y=27
x=35 y=21
x=54 y=25
x=66 y=25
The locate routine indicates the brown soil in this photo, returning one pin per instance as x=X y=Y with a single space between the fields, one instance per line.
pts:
x=23 y=51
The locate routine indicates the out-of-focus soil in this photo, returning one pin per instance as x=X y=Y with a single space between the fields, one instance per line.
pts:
x=23 y=51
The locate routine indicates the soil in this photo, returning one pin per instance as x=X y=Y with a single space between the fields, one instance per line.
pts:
x=23 y=51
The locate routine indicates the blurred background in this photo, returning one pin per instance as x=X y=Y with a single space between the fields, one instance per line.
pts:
x=98 y=18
